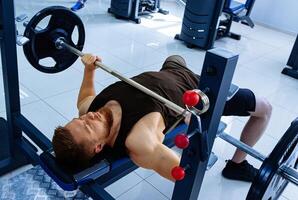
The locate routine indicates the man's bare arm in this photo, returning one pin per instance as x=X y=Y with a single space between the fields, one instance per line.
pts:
x=161 y=159
x=147 y=151
x=87 y=87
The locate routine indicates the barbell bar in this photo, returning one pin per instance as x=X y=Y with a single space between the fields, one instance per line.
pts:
x=60 y=44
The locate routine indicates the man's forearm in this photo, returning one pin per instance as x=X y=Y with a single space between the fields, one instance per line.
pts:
x=87 y=86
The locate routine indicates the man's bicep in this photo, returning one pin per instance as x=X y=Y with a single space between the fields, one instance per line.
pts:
x=161 y=159
x=84 y=105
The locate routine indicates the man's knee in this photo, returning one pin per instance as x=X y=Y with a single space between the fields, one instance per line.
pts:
x=263 y=108
x=174 y=61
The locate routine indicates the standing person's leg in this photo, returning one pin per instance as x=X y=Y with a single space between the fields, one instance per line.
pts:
x=244 y=103
x=79 y=5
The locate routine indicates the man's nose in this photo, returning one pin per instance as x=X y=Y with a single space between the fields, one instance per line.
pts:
x=90 y=115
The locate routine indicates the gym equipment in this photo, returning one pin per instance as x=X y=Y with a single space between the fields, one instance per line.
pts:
x=201 y=24
x=21 y=40
x=235 y=11
x=41 y=45
x=292 y=62
x=17 y=151
x=133 y=9
x=52 y=42
x=279 y=168
x=217 y=70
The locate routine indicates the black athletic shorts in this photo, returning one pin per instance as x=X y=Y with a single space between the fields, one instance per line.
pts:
x=243 y=102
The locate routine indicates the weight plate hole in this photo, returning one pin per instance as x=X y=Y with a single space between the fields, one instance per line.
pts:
x=47 y=62
x=43 y=23
x=75 y=35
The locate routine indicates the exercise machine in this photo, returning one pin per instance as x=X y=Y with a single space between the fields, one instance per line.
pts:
x=16 y=149
x=202 y=25
x=133 y=9
x=199 y=23
x=292 y=69
x=55 y=41
x=235 y=11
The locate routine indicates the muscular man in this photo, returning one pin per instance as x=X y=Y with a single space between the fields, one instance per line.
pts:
x=122 y=120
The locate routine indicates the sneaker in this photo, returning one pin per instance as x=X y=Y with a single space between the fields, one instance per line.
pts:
x=239 y=171
x=79 y=5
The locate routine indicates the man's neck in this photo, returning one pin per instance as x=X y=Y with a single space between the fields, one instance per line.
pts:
x=115 y=107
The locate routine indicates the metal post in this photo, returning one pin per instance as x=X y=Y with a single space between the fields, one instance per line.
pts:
x=9 y=151
x=242 y=146
x=216 y=77
x=289 y=173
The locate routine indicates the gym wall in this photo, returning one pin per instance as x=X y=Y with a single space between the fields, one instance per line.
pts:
x=278 y=14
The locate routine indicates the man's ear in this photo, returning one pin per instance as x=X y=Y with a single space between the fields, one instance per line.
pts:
x=98 y=148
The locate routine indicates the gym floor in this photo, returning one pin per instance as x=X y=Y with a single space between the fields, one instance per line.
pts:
x=50 y=99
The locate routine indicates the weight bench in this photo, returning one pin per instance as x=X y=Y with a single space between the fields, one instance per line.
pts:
x=237 y=12
x=103 y=172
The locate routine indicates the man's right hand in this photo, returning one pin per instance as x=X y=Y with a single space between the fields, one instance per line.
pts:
x=89 y=61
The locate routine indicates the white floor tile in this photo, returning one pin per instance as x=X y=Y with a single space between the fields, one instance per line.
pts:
x=139 y=55
x=261 y=85
x=144 y=173
x=286 y=97
x=263 y=66
x=44 y=117
x=65 y=104
x=291 y=192
x=123 y=185
x=26 y=96
x=215 y=187
x=143 y=191
x=46 y=85
x=281 y=119
x=163 y=185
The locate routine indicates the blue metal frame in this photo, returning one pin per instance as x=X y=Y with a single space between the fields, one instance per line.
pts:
x=216 y=77
x=16 y=150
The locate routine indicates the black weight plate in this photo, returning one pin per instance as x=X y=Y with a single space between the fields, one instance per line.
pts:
x=269 y=184
x=62 y=23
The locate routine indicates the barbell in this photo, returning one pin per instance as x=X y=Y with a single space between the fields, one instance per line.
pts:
x=55 y=41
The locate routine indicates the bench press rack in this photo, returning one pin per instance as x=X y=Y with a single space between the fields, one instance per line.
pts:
x=17 y=151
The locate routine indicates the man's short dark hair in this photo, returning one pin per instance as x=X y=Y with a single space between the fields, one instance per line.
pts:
x=69 y=154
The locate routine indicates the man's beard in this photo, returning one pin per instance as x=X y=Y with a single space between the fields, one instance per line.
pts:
x=108 y=116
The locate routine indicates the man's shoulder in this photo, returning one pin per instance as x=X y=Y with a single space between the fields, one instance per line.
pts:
x=146 y=132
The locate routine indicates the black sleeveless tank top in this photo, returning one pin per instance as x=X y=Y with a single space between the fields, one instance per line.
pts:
x=170 y=83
